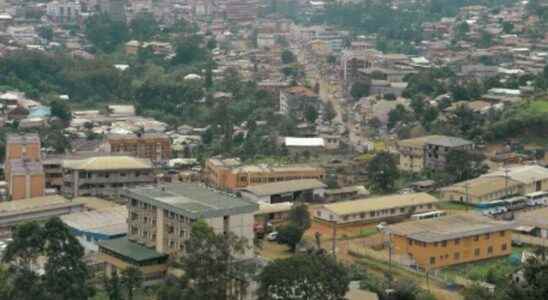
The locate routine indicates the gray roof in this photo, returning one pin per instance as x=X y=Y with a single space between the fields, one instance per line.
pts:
x=130 y=250
x=281 y=187
x=447 y=141
x=448 y=228
x=192 y=200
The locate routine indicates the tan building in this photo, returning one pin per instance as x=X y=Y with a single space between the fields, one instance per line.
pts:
x=412 y=154
x=160 y=221
x=481 y=189
x=513 y=180
x=451 y=240
x=370 y=210
x=230 y=174
x=105 y=175
x=25 y=179
x=154 y=146
x=19 y=146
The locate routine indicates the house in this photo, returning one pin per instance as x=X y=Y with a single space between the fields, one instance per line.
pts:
x=377 y=209
x=533 y=178
x=302 y=144
x=346 y=193
x=153 y=146
x=296 y=100
x=450 y=240
x=310 y=190
x=271 y=215
x=531 y=227
x=412 y=154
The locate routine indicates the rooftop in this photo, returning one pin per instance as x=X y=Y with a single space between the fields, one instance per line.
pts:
x=29 y=138
x=448 y=228
x=304 y=142
x=135 y=136
x=447 y=141
x=481 y=186
x=102 y=163
x=380 y=203
x=536 y=218
x=94 y=203
x=192 y=200
x=280 y=187
x=32 y=204
x=107 y=222
x=134 y=251
x=270 y=208
x=523 y=174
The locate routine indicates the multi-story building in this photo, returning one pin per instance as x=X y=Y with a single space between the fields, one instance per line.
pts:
x=297 y=99
x=25 y=179
x=23 y=167
x=429 y=151
x=370 y=210
x=154 y=146
x=451 y=240
x=438 y=147
x=230 y=174
x=105 y=175
x=241 y=10
x=160 y=221
x=20 y=146
x=63 y=11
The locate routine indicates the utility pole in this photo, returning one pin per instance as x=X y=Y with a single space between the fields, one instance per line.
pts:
x=506 y=172
x=334 y=245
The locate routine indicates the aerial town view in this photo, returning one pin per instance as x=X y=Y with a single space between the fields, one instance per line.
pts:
x=273 y=150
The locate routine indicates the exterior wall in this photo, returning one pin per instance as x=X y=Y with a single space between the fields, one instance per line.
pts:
x=116 y=264
x=496 y=195
x=372 y=216
x=103 y=183
x=457 y=251
x=411 y=159
x=19 y=151
x=37 y=185
x=435 y=157
x=155 y=149
x=142 y=220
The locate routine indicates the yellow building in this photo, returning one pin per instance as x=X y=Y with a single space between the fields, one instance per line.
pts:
x=451 y=240
x=412 y=154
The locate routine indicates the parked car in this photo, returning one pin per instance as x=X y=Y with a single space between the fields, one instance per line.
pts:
x=272 y=236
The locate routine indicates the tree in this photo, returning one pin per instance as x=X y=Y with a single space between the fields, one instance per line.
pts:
x=382 y=173
x=143 y=26
x=507 y=27
x=188 y=50
x=399 y=115
x=210 y=263
x=60 y=109
x=287 y=57
x=311 y=114
x=45 y=32
x=477 y=292
x=463 y=165
x=359 y=89
x=105 y=33
x=291 y=234
x=329 y=113
x=311 y=277
x=461 y=30
x=132 y=279
x=66 y=275
x=300 y=216
x=113 y=286
x=27 y=244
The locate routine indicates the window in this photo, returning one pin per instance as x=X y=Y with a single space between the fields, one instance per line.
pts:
x=435 y=244
x=345 y=218
x=134 y=202
x=444 y=244
x=392 y=211
x=429 y=206
x=145 y=220
x=457 y=241
x=477 y=252
x=171 y=244
x=170 y=229
x=432 y=260
x=490 y=250
x=402 y=210
x=134 y=230
x=503 y=247
x=362 y=215
x=502 y=233
x=487 y=236
x=410 y=242
x=182 y=233
x=134 y=216
x=476 y=238
x=456 y=256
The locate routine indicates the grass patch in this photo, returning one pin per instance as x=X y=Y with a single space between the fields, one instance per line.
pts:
x=539 y=106
x=368 y=231
x=495 y=271
x=448 y=205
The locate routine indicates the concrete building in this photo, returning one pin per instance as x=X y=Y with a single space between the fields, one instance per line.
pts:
x=63 y=11
x=19 y=146
x=154 y=146
x=25 y=179
x=370 y=210
x=230 y=174
x=438 y=147
x=451 y=240
x=162 y=217
x=160 y=221
x=412 y=154
x=92 y=226
x=310 y=190
x=34 y=209
x=531 y=227
x=509 y=181
x=296 y=100
x=105 y=175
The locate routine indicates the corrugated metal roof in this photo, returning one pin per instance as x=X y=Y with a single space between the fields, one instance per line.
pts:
x=448 y=228
x=134 y=251
x=281 y=187
x=108 y=163
x=380 y=203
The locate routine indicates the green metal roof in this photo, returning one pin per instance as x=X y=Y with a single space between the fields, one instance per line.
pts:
x=192 y=200
x=124 y=247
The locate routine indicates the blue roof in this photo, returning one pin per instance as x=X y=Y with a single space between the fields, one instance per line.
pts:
x=39 y=112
